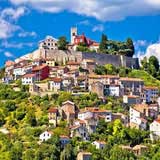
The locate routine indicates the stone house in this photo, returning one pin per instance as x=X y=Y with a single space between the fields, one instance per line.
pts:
x=131 y=86
x=89 y=65
x=69 y=111
x=53 y=116
x=84 y=156
x=131 y=99
x=73 y=65
x=155 y=129
x=149 y=94
x=99 y=144
x=28 y=79
x=55 y=84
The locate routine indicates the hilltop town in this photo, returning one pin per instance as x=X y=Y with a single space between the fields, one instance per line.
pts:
x=81 y=92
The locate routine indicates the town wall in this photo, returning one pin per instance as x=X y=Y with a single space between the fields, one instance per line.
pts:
x=100 y=58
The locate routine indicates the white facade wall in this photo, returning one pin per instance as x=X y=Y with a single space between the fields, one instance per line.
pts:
x=45 y=136
x=84 y=115
x=134 y=116
x=114 y=91
x=155 y=130
x=28 y=80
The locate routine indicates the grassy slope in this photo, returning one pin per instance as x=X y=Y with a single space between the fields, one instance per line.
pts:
x=148 y=79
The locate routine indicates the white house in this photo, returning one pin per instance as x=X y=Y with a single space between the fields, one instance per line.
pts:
x=55 y=84
x=155 y=130
x=136 y=120
x=114 y=90
x=29 y=79
x=18 y=71
x=49 y=43
x=84 y=115
x=80 y=131
x=45 y=136
x=99 y=144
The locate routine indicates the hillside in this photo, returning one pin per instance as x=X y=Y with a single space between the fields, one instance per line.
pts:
x=147 y=78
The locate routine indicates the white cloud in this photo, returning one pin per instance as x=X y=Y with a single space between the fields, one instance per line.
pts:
x=27 y=34
x=7 y=18
x=13 y=14
x=98 y=27
x=6 y=44
x=152 y=50
x=8 y=54
x=7 y=29
x=85 y=22
x=139 y=44
x=105 y=10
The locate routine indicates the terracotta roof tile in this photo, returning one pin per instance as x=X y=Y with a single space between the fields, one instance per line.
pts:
x=53 y=110
x=29 y=75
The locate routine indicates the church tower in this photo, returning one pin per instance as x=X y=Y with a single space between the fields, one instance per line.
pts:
x=73 y=34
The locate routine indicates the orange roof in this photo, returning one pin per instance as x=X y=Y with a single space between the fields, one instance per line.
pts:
x=63 y=136
x=95 y=44
x=89 y=60
x=130 y=79
x=29 y=75
x=81 y=121
x=150 y=87
x=101 y=142
x=9 y=63
x=53 y=110
x=75 y=127
x=94 y=109
x=157 y=120
x=56 y=79
x=132 y=96
x=73 y=63
x=38 y=68
x=102 y=76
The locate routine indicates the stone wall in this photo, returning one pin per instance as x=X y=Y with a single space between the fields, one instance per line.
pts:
x=101 y=59
x=116 y=60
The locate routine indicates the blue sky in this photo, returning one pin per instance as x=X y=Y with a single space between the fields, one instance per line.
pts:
x=25 y=22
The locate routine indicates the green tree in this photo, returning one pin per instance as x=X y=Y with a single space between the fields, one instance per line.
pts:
x=103 y=44
x=154 y=61
x=130 y=45
x=67 y=153
x=110 y=69
x=62 y=43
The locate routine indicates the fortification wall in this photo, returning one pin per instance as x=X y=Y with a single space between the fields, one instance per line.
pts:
x=101 y=59
x=116 y=60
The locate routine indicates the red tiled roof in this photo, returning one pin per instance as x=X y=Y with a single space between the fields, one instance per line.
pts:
x=150 y=87
x=29 y=75
x=56 y=79
x=73 y=63
x=38 y=68
x=63 y=136
x=53 y=110
x=9 y=63
x=132 y=96
x=130 y=79
x=101 y=142
x=95 y=44
x=102 y=76
x=75 y=127
x=158 y=121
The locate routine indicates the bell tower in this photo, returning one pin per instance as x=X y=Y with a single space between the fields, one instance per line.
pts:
x=73 y=34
